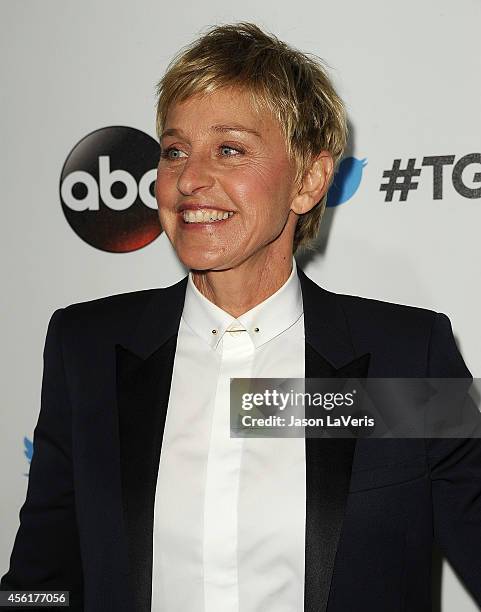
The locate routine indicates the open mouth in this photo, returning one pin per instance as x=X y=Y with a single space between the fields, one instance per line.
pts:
x=205 y=216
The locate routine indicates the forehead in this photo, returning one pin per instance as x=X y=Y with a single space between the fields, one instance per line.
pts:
x=224 y=107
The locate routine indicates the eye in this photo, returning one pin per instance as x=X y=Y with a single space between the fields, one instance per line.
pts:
x=166 y=153
x=228 y=148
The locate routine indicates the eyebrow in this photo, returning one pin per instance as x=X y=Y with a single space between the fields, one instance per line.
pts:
x=215 y=128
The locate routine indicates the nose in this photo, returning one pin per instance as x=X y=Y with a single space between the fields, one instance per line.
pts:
x=195 y=175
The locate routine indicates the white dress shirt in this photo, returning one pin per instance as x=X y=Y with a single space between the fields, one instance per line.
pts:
x=229 y=520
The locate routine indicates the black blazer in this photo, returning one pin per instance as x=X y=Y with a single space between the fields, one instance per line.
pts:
x=373 y=507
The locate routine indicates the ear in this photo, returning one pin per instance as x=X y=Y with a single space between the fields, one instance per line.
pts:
x=315 y=183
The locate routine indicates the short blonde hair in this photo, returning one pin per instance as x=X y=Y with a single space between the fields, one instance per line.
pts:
x=294 y=86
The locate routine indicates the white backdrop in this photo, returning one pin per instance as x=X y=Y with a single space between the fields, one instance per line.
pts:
x=409 y=74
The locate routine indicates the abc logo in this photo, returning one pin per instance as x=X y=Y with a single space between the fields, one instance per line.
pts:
x=107 y=189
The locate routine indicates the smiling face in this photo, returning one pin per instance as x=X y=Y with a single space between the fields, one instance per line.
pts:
x=222 y=160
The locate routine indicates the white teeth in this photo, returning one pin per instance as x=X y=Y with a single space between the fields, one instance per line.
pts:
x=205 y=216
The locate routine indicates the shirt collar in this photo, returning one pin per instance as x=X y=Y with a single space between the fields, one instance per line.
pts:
x=270 y=318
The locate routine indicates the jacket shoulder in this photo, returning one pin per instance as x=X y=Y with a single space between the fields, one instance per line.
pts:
x=110 y=304
x=388 y=315
x=364 y=312
x=118 y=312
x=399 y=336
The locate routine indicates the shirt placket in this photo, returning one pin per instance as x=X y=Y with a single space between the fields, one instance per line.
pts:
x=221 y=591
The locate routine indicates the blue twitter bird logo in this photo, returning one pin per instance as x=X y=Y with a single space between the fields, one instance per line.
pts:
x=346 y=180
x=27 y=450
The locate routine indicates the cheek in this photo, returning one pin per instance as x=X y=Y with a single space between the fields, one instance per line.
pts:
x=165 y=189
x=262 y=194
x=165 y=201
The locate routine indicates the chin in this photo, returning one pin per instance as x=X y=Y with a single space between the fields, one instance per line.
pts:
x=197 y=260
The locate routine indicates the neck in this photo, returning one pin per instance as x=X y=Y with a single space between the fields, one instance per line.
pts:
x=239 y=289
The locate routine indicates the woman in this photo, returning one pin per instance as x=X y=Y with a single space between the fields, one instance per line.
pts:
x=138 y=497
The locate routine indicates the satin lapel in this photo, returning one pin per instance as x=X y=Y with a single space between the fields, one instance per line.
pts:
x=144 y=374
x=328 y=353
